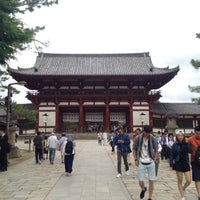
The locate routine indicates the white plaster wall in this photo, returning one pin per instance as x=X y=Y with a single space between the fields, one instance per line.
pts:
x=137 y=117
x=51 y=120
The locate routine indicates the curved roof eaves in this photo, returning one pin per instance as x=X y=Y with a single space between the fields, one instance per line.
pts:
x=94 y=64
x=178 y=108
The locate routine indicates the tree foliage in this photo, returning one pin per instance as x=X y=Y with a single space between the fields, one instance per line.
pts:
x=26 y=118
x=14 y=36
x=24 y=113
x=3 y=79
x=196 y=65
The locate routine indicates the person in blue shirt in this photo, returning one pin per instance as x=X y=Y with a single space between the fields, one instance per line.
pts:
x=122 y=141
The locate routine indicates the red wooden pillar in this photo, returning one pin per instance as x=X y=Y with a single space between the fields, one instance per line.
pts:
x=131 y=117
x=57 y=128
x=150 y=114
x=107 y=117
x=81 y=118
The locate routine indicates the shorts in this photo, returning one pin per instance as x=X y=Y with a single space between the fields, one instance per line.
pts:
x=195 y=172
x=180 y=167
x=150 y=168
x=45 y=150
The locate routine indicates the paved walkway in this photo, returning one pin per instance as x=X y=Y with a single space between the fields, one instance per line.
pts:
x=93 y=178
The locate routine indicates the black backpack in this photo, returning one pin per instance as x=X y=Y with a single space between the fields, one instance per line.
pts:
x=69 y=147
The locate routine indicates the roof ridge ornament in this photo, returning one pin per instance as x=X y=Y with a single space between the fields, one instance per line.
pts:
x=150 y=67
x=41 y=55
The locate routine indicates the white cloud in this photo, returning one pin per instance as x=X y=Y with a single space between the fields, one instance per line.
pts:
x=167 y=29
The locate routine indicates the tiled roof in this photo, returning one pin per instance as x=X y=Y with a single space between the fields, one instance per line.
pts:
x=93 y=64
x=177 y=108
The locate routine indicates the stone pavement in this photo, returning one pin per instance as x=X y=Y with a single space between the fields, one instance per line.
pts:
x=165 y=187
x=93 y=178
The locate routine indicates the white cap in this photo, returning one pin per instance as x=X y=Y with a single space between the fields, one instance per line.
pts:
x=179 y=131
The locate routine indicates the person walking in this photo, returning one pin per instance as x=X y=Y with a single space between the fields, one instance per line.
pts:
x=105 y=138
x=3 y=149
x=137 y=132
x=111 y=141
x=164 y=142
x=170 y=143
x=61 y=144
x=145 y=153
x=37 y=146
x=122 y=141
x=99 y=137
x=52 y=144
x=179 y=161
x=194 y=142
x=68 y=150
x=45 y=148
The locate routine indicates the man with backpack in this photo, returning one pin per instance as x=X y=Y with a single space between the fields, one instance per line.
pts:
x=194 y=142
x=68 y=151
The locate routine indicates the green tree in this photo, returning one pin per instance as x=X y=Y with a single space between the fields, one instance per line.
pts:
x=14 y=35
x=196 y=65
x=26 y=117
x=24 y=113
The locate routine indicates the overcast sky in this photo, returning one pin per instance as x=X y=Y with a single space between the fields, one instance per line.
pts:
x=167 y=29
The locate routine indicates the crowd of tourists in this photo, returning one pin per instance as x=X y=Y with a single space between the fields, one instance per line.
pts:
x=148 y=148
x=182 y=153
x=45 y=149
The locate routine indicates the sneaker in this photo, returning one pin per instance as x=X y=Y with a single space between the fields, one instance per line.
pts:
x=142 y=193
x=118 y=175
x=183 y=198
x=127 y=173
x=69 y=174
x=66 y=174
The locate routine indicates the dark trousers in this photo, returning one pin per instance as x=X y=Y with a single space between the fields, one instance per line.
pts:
x=111 y=144
x=38 y=154
x=3 y=160
x=119 y=161
x=69 y=163
x=164 y=152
